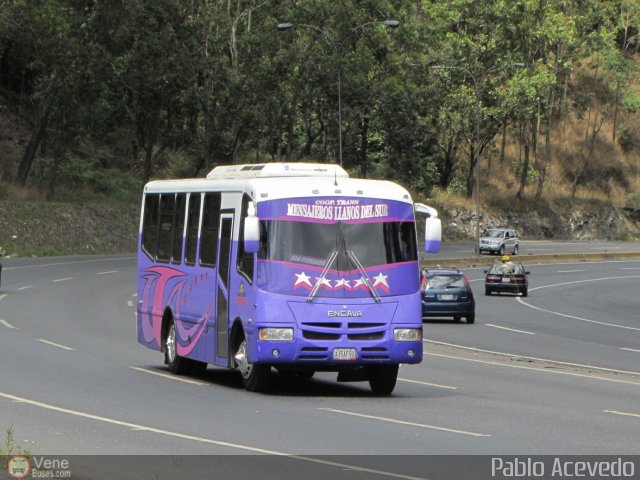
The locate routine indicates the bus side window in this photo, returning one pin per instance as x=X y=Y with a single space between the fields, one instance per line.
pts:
x=165 y=232
x=210 y=227
x=178 y=230
x=150 y=224
x=193 y=222
x=245 y=261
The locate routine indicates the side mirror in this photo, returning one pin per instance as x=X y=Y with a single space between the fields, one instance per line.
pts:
x=527 y=272
x=486 y=271
x=432 y=228
x=432 y=235
x=251 y=230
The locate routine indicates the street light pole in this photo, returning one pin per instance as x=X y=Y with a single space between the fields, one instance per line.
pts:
x=288 y=26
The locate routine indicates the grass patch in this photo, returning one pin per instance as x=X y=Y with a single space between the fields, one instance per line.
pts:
x=10 y=448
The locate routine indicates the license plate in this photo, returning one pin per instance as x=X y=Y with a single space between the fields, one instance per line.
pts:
x=506 y=280
x=447 y=296
x=344 y=354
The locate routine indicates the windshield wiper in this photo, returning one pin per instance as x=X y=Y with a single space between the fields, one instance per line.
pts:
x=327 y=265
x=363 y=273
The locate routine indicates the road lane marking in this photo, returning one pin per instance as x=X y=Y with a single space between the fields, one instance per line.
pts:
x=540 y=249
x=606 y=324
x=135 y=294
x=569 y=271
x=57 y=345
x=525 y=357
x=27 y=287
x=135 y=426
x=507 y=328
x=61 y=279
x=630 y=268
x=166 y=375
x=3 y=295
x=7 y=324
x=630 y=350
x=541 y=370
x=57 y=264
x=403 y=422
x=129 y=303
x=625 y=414
x=107 y=272
x=428 y=384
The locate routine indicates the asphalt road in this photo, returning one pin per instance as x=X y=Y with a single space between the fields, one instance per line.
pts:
x=555 y=373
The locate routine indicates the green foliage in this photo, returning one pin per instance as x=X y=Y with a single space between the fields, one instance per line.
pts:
x=628 y=139
x=532 y=173
x=633 y=200
x=631 y=101
x=117 y=93
x=458 y=186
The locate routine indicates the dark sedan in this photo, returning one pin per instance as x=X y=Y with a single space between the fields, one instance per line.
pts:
x=506 y=277
x=446 y=292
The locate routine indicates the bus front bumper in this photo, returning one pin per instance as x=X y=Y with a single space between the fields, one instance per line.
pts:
x=338 y=352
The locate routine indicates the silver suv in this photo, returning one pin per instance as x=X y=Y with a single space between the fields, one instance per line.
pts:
x=500 y=241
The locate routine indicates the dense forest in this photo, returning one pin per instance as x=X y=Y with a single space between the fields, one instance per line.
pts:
x=99 y=96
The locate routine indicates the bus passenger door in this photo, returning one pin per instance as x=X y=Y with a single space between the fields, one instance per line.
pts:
x=222 y=291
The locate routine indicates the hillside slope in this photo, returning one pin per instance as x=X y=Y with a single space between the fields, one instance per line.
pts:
x=56 y=228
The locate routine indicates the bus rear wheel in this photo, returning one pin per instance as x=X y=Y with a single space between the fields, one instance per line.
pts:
x=382 y=378
x=255 y=376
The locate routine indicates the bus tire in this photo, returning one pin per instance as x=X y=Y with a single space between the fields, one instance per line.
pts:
x=177 y=365
x=255 y=376
x=382 y=378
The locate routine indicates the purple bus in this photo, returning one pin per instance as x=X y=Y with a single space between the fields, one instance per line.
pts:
x=292 y=267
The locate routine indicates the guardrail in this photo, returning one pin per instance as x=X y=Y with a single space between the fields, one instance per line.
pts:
x=530 y=259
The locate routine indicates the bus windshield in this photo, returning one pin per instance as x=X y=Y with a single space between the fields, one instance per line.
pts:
x=309 y=243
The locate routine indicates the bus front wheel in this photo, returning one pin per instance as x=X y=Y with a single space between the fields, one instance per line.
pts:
x=382 y=378
x=177 y=364
x=255 y=376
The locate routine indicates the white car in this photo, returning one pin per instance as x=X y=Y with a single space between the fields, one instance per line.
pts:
x=499 y=241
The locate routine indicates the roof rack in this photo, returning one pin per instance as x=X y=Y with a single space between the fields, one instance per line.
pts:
x=276 y=169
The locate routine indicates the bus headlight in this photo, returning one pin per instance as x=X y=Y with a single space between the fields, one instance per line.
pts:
x=407 y=334
x=275 y=334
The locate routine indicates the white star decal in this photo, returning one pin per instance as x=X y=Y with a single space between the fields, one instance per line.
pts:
x=342 y=283
x=302 y=278
x=381 y=280
x=360 y=283
x=324 y=282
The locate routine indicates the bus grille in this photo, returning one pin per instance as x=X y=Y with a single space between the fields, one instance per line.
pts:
x=355 y=331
